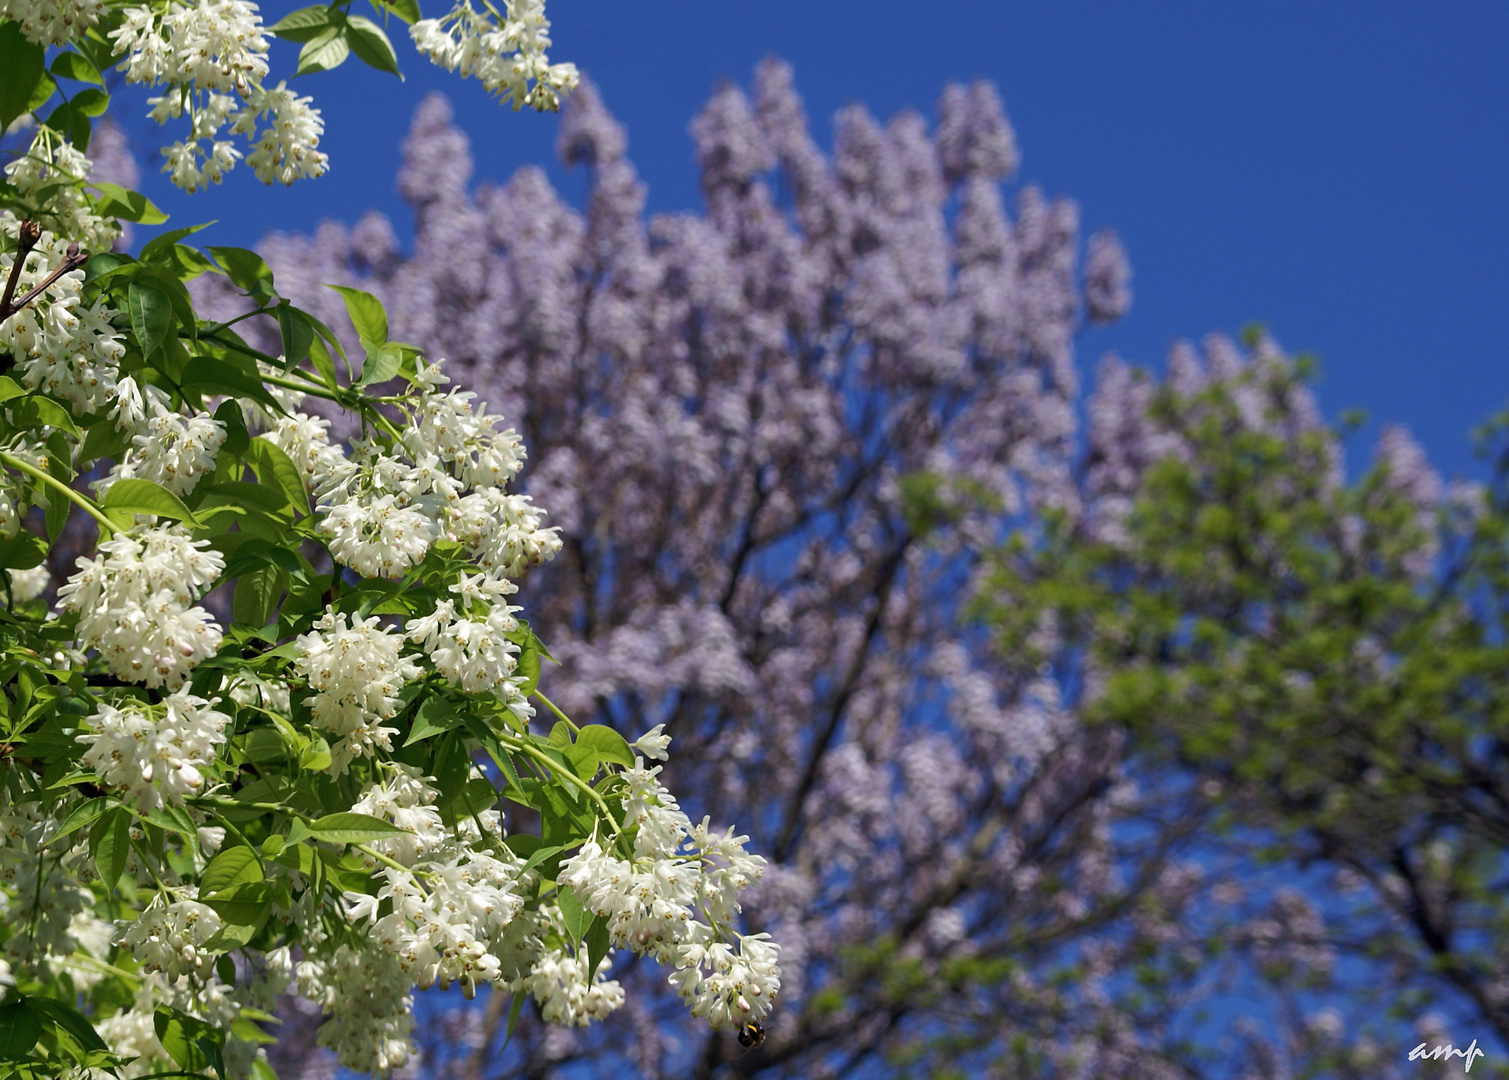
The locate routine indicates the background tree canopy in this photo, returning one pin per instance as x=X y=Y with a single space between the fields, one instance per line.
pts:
x=1154 y=747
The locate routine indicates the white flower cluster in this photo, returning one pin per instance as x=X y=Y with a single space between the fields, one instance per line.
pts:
x=559 y=983
x=211 y=56
x=154 y=753
x=60 y=347
x=44 y=179
x=131 y=1032
x=473 y=654
x=365 y=995
x=169 y=937
x=25 y=584
x=453 y=904
x=306 y=441
x=356 y=670
x=49 y=897
x=167 y=447
x=382 y=513
x=652 y=903
x=507 y=59
x=52 y=22
x=134 y=603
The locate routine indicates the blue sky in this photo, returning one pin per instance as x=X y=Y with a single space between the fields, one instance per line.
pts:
x=1335 y=171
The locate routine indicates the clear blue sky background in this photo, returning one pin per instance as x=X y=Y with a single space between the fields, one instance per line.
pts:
x=1336 y=171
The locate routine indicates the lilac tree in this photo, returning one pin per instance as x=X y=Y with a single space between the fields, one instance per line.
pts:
x=774 y=437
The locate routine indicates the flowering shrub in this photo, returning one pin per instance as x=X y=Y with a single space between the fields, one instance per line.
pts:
x=293 y=784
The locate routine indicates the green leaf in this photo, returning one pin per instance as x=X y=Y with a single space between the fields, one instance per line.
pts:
x=22 y=62
x=9 y=388
x=407 y=10
x=102 y=263
x=91 y=102
x=23 y=551
x=297 y=333
x=371 y=45
x=435 y=716
x=529 y=667
x=269 y=497
x=515 y=1010
x=71 y=1021
x=380 y=365
x=366 y=312
x=110 y=844
x=306 y=23
x=20 y=1027
x=209 y=375
x=44 y=90
x=233 y=866
x=273 y=466
x=159 y=245
x=247 y=904
x=541 y=854
x=237 y=438
x=192 y=1043
x=36 y=410
x=225 y=968
x=609 y=744
x=151 y=316
x=173 y=819
x=80 y=816
x=597 y=946
x=246 y=270
x=572 y=913
x=319 y=356
x=72 y=122
x=72 y=65
x=256 y=595
x=349 y=828
x=116 y=201
x=136 y=496
x=324 y=51
x=584 y=760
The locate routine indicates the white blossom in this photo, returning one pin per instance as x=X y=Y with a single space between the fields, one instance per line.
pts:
x=133 y=603
x=365 y=995
x=211 y=57
x=168 y=447
x=356 y=670
x=559 y=983
x=60 y=347
x=154 y=753
x=169 y=937
x=52 y=22
x=653 y=743
x=509 y=60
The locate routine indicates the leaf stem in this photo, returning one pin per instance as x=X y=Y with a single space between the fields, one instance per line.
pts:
x=530 y=750
x=380 y=857
x=553 y=707
x=58 y=485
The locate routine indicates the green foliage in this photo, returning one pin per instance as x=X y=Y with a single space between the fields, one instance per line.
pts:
x=1270 y=630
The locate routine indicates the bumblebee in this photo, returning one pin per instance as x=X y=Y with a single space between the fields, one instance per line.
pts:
x=751 y=1035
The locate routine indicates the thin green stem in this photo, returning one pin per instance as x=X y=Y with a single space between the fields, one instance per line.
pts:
x=556 y=709
x=317 y=389
x=544 y=759
x=380 y=857
x=211 y=331
x=53 y=482
x=240 y=347
x=350 y=398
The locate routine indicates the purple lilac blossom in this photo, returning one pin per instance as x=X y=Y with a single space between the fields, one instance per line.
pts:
x=727 y=415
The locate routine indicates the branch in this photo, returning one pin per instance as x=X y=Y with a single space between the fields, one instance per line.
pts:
x=75 y=259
